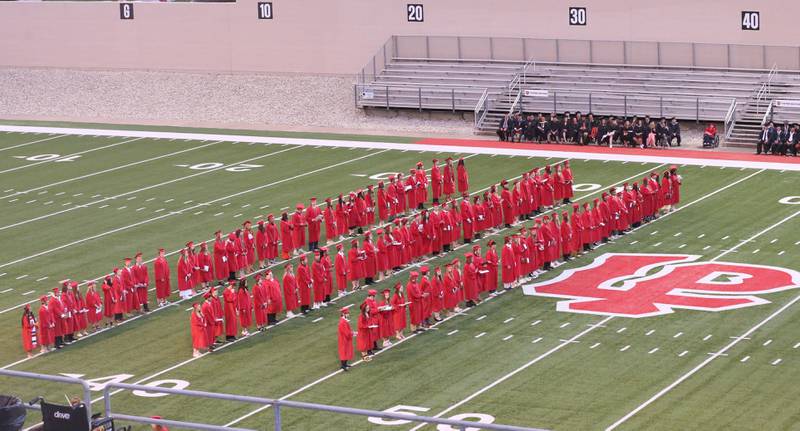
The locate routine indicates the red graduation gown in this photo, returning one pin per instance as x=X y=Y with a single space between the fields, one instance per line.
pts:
x=304 y=284
x=220 y=261
x=290 y=291
x=161 y=274
x=198 y=330
x=245 y=307
x=398 y=312
x=463 y=179
x=231 y=311
x=345 y=340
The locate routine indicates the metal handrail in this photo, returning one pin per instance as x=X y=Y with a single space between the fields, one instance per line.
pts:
x=772 y=72
x=87 y=396
x=730 y=119
x=515 y=103
x=767 y=113
x=480 y=107
x=277 y=406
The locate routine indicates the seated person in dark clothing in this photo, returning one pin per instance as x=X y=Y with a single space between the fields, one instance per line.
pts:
x=767 y=137
x=591 y=126
x=502 y=128
x=638 y=134
x=606 y=132
x=626 y=134
x=779 y=146
x=553 y=129
x=794 y=140
x=564 y=129
x=541 y=129
x=530 y=129
x=662 y=131
x=674 y=132
x=519 y=126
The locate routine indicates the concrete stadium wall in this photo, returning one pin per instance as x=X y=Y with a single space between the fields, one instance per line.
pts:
x=340 y=37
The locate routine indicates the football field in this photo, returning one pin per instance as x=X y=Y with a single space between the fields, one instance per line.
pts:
x=75 y=203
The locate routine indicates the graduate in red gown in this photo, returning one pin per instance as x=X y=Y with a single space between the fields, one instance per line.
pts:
x=207 y=309
x=567 y=240
x=364 y=332
x=463 y=176
x=220 y=260
x=245 y=305
x=341 y=218
x=261 y=244
x=47 y=325
x=437 y=181
x=576 y=223
x=507 y=203
x=567 y=181
x=330 y=221
x=287 y=237
x=399 y=306
x=219 y=313
x=355 y=264
x=275 y=301
x=94 y=306
x=162 y=278
x=448 y=179
x=249 y=245
x=232 y=255
x=231 y=299
x=470 y=281
x=319 y=279
x=345 y=338
x=260 y=300
x=80 y=318
x=492 y=264
x=313 y=217
x=299 y=225
x=415 y=301
x=131 y=300
x=328 y=267
x=304 y=285
x=205 y=268
x=422 y=185
x=385 y=318
x=117 y=296
x=677 y=181
x=467 y=219
x=340 y=264
x=108 y=299
x=197 y=325
x=273 y=237
x=184 y=275
x=141 y=281
x=382 y=245
x=289 y=289
x=30 y=331
x=384 y=204
x=437 y=294
x=370 y=259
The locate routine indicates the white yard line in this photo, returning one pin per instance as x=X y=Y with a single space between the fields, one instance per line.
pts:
x=30 y=165
x=723 y=350
x=31 y=143
x=508 y=338
x=652 y=351
x=654 y=157
x=150 y=187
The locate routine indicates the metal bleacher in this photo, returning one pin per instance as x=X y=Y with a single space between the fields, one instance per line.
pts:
x=741 y=97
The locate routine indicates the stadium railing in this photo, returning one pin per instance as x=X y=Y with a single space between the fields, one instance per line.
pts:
x=87 y=398
x=277 y=405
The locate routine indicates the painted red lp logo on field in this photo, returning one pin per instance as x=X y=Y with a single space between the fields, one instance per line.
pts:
x=644 y=285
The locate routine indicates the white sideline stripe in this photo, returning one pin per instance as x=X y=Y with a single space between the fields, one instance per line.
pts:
x=112 y=231
x=31 y=143
x=513 y=373
x=666 y=159
x=152 y=186
x=112 y=169
x=68 y=155
x=730 y=345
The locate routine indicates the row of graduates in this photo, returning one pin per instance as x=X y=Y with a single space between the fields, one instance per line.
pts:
x=125 y=290
x=524 y=256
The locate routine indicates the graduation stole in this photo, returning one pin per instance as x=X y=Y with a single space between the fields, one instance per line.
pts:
x=34 y=330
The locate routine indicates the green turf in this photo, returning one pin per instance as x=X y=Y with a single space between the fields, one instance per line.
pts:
x=576 y=387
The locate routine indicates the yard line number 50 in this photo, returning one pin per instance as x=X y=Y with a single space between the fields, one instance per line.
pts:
x=480 y=418
x=243 y=167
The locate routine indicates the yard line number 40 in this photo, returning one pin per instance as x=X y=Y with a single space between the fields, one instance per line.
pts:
x=413 y=410
x=243 y=167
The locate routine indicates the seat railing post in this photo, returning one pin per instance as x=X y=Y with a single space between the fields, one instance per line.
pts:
x=277 y=408
x=387 y=97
